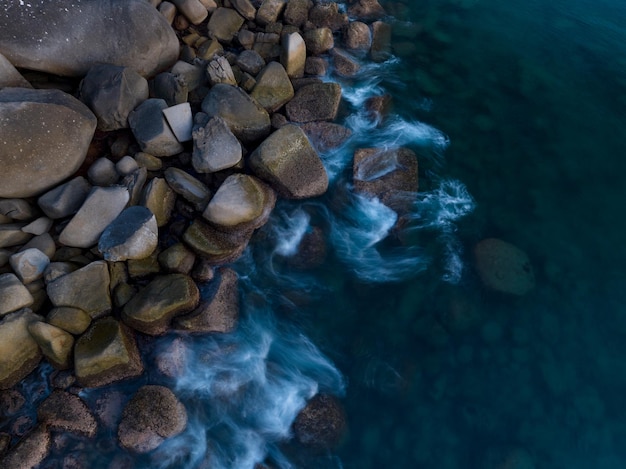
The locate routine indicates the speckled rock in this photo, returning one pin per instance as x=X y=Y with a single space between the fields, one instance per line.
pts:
x=62 y=411
x=73 y=320
x=315 y=102
x=273 y=87
x=322 y=423
x=30 y=451
x=215 y=147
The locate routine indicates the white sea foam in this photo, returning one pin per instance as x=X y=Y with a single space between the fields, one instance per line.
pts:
x=290 y=231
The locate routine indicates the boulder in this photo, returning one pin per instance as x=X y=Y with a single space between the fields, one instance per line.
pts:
x=367 y=10
x=357 y=36
x=381 y=41
x=315 y=102
x=67 y=38
x=273 y=87
x=65 y=412
x=39 y=226
x=297 y=12
x=224 y=24
x=267 y=45
x=215 y=246
x=250 y=61
x=151 y=310
x=328 y=15
x=159 y=198
x=345 y=64
x=102 y=172
x=13 y=294
x=44 y=243
x=66 y=199
x=269 y=11
x=132 y=235
x=215 y=147
x=45 y=135
x=318 y=40
x=191 y=74
x=326 y=136
x=503 y=267
x=11 y=234
x=16 y=209
x=112 y=92
x=106 y=353
x=29 y=265
x=290 y=164
x=190 y=188
x=152 y=415
x=193 y=10
x=321 y=424
x=73 y=320
x=245 y=8
x=293 y=54
x=170 y=88
x=246 y=118
x=10 y=77
x=30 y=451
x=316 y=66
x=151 y=130
x=177 y=258
x=55 y=343
x=19 y=353
x=220 y=71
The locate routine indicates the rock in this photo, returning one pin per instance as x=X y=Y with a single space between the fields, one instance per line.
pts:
x=171 y=361
x=168 y=10
x=106 y=353
x=318 y=40
x=38 y=227
x=44 y=243
x=13 y=294
x=23 y=114
x=224 y=24
x=19 y=353
x=112 y=92
x=170 y=88
x=102 y=172
x=367 y=10
x=65 y=412
x=102 y=206
x=10 y=77
x=152 y=415
x=215 y=246
x=246 y=118
x=151 y=310
x=358 y=36
x=269 y=11
x=220 y=71
x=293 y=54
x=289 y=163
x=297 y=12
x=381 y=41
x=219 y=312
x=345 y=64
x=315 y=102
x=65 y=199
x=328 y=15
x=143 y=267
x=126 y=166
x=148 y=161
x=193 y=10
x=55 y=343
x=321 y=424
x=11 y=234
x=134 y=183
x=143 y=41
x=177 y=258
x=245 y=9
x=273 y=87
x=159 y=198
x=378 y=107
x=267 y=45
x=188 y=186
x=250 y=61
x=241 y=203
x=326 y=135
x=192 y=75
x=503 y=267
x=30 y=451
x=215 y=147
x=29 y=265
x=73 y=320
x=86 y=288
x=132 y=235
x=151 y=130
x=180 y=121
x=209 y=50
x=16 y=209
x=58 y=269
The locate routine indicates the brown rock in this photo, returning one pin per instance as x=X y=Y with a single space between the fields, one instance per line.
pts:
x=55 y=343
x=345 y=64
x=315 y=102
x=381 y=41
x=297 y=12
x=322 y=423
x=224 y=24
x=358 y=36
x=328 y=15
x=273 y=87
x=269 y=11
x=67 y=412
x=367 y=10
x=30 y=451
x=326 y=135
x=318 y=40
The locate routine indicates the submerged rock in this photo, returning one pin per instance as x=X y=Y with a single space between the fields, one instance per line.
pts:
x=503 y=267
x=62 y=411
x=30 y=451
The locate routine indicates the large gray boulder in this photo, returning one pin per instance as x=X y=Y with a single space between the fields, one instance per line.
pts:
x=44 y=137
x=67 y=37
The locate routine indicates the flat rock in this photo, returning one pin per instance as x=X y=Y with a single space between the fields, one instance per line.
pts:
x=66 y=199
x=224 y=24
x=287 y=160
x=273 y=87
x=56 y=344
x=29 y=265
x=315 y=102
x=67 y=37
x=215 y=246
x=106 y=353
x=215 y=147
x=13 y=294
x=132 y=235
x=159 y=198
x=151 y=310
x=30 y=451
x=65 y=412
x=19 y=353
x=150 y=128
x=44 y=137
x=503 y=267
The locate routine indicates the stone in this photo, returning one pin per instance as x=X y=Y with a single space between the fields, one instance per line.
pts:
x=190 y=188
x=267 y=45
x=245 y=37
x=357 y=36
x=170 y=88
x=11 y=234
x=224 y=24
x=86 y=288
x=287 y=160
x=321 y=424
x=127 y=165
x=293 y=54
x=367 y=10
x=134 y=183
x=245 y=8
x=166 y=296
x=180 y=121
x=65 y=412
x=10 y=77
x=55 y=343
x=102 y=206
x=151 y=130
x=106 y=353
x=242 y=202
x=315 y=102
x=216 y=247
x=16 y=209
x=317 y=66
x=112 y=92
x=168 y=10
x=58 y=269
x=503 y=267
x=209 y=50
x=13 y=294
x=328 y=15
x=171 y=361
x=378 y=107
x=33 y=159
x=159 y=198
x=177 y=259
x=38 y=227
x=297 y=12
x=152 y=415
x=29 y=265
x=148 y=161
x=345 y=64
x=191 y=74
x=220 y=71
x=250 y=61
x=143 y=267
x=193 y=10
x=132 y=235
x=219 y=312
x=66 y=199
x=73 y=320
x=44 y=243
x=326 y=136
x=273 y=87
x=246 y=118
x=30 y=451
x=19 y=353
x=318 y=40
x=381 y=41
x=143 y=41
x=269 y=11
x=102 y=172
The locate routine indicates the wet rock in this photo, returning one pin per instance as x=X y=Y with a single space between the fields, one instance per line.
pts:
x=220 y=71
x=318 y=40
x=148 y=161
x=224 y=24
x=10 y=77
x=159 y=198
x=151 y=310
x=86 y=288
x=30 y=451
x=152 y=415
x=102 y=206
x=311 y=251
x=151 y=130
x=65 y=412
x=19 y=353
x=273 y=87
x=250 y=61
x=13 y=294
x=241 y=203
x=345 y=64
x=190 y=188
x=297 y=12
x=293 y=55
x=66 y=199
x=219 y=312
x=381 y=41
x=215 y=246
x=23 y=115
x=132 y=235
x=357 y=36
x=180 y=121
x=315 y=102
x=29 y=265
x=328 y=15
x=378 y=107
x=215 y=147
x=193 y=10
x=143 y=41
x=325 y=136
x=112 y=92
x=177 y=258
x=73 y=320
x=55 y=343
x=106 y=353
x=269 y=11
x=503 y=267
x=247 y=120
x=321 y=424
x=102 y=172
x=290 y=164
